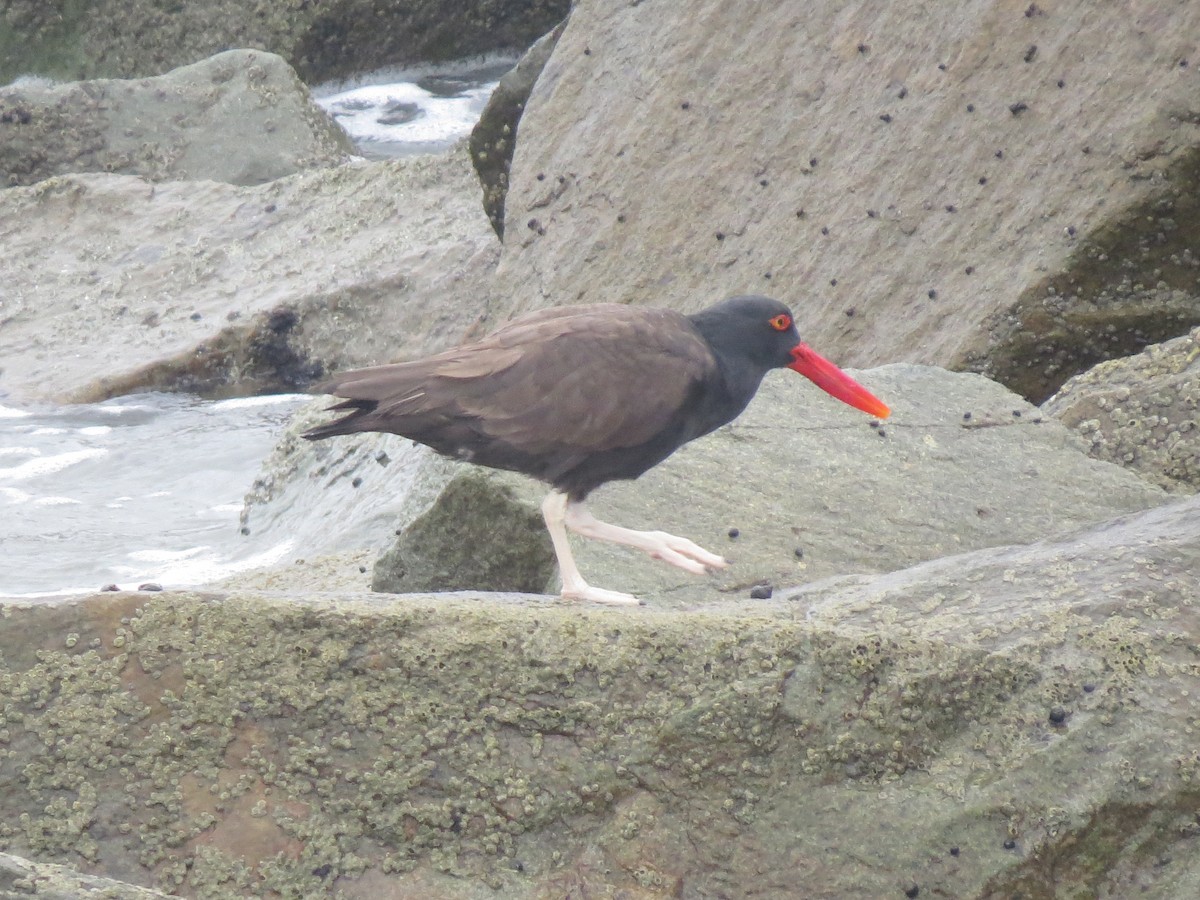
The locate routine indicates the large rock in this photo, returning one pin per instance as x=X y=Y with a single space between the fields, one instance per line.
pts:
x=1014 y=721
x=113 y=284
x=1007 y=187
x=322 y=39
x=1142 y=412
x=242 y=117
x=812 y=489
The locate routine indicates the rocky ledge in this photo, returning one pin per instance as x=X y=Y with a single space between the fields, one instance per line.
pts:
x=1009 y=721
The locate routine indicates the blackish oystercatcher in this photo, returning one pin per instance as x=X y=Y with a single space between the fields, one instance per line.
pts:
x=577 y=396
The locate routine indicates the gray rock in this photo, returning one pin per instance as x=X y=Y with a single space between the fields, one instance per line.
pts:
x=1142 y=412
x=1027 y=705
x=241 y=117
x=228 y=290
x=865 y=165
x=494 y=137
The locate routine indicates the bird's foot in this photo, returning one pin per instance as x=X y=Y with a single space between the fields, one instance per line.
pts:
x=679 y=551
x=591 y=594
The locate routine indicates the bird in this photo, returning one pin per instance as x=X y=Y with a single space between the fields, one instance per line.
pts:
x=578 y=396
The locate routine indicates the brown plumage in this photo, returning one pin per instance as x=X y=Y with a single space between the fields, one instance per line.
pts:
x=547 y=395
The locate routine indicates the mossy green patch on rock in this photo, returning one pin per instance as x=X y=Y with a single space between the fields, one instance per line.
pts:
x=234 y=723
x=1133 y=283
x=479 y=536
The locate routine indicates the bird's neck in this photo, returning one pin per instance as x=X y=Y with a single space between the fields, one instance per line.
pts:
x=742 y=373
x=738 y=375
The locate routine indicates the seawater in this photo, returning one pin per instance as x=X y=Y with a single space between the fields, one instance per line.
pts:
x=143 y=488
x=403 y=112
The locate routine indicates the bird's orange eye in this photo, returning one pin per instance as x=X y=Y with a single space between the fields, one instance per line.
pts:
x=781 y=322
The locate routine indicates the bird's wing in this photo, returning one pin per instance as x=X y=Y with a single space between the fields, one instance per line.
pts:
x=593 y=378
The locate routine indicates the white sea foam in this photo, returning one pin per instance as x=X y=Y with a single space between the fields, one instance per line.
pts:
x=264 y=400
x=373 y=113
x=48 y=465
x=398 y=112
x=56 y=501
x=196 y=565
x=166 y=556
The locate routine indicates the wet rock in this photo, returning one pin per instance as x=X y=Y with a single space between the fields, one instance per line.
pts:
x=241 y=117
x=494 y=137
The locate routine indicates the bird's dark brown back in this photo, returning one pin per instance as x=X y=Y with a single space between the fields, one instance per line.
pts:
x=574 y=396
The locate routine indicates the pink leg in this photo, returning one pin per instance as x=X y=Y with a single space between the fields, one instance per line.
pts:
x=554 y=511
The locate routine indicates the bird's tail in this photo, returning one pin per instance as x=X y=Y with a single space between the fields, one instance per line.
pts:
x=348 y=424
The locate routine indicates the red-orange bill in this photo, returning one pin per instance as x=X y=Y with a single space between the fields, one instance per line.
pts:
x=835 y=382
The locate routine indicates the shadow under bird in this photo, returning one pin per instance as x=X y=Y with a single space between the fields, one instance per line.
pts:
x=581 y=395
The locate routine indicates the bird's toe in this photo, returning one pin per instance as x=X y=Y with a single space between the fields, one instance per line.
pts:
x=590 y=594
x=679 y=560
x=694 y=557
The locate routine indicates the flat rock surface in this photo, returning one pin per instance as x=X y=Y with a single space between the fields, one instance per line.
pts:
x=800 y=472
x=114 y=284
x=1012 y=721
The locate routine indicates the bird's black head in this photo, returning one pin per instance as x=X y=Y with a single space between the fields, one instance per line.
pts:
x=751 y=335
x=751 y=330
